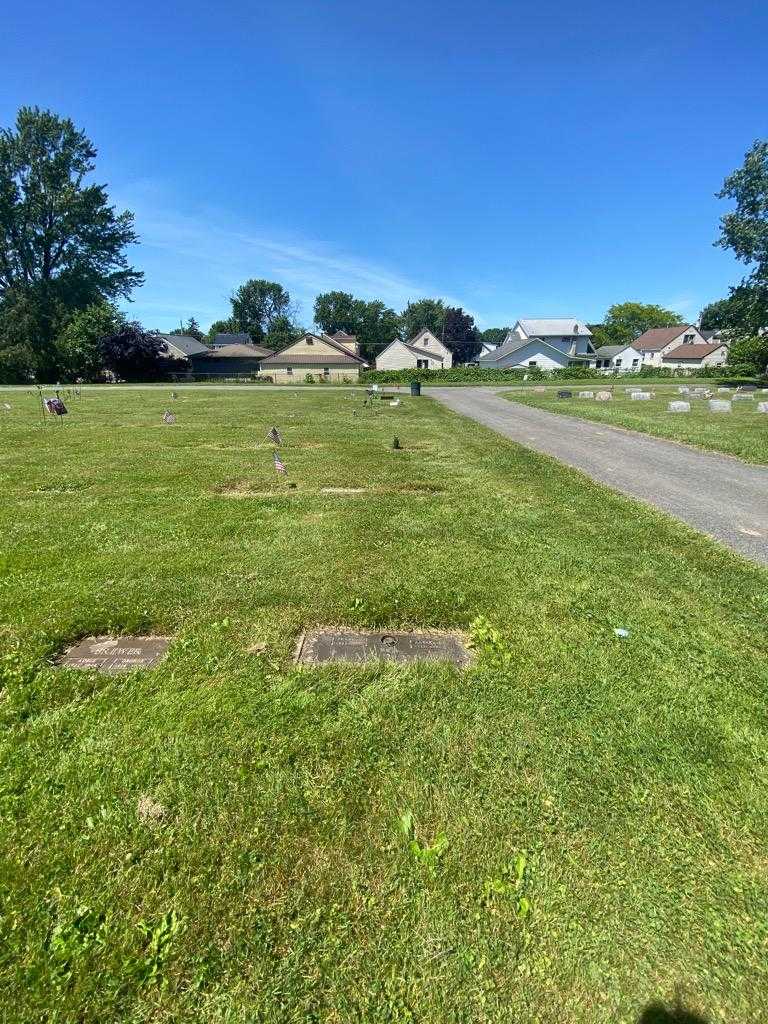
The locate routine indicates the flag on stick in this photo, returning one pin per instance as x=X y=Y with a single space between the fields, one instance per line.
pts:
x=274 y=436
x=279 y=464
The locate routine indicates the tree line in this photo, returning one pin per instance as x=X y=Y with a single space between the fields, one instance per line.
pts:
x=64 y=268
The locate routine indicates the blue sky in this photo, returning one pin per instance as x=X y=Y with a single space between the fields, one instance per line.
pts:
x=518 y=159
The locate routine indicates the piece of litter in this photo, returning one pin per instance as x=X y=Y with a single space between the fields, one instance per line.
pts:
x=621 y=632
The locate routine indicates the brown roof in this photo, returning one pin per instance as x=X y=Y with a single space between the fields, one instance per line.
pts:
x=342 y=335
x=658 y=337
x=239 y=351
x=692 y=351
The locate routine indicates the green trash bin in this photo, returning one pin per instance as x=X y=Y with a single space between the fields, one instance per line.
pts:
x=415 y=388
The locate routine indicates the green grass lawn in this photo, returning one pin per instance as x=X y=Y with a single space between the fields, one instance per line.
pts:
x=569 y=831
x=742 y=432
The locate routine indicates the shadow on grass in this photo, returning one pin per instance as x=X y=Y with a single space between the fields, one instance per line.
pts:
x=660 y=1013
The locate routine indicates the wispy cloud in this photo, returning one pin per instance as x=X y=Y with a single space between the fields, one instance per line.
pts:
x=193 y=261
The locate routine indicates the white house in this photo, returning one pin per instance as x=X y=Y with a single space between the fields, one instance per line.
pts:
x=691 y=356
x=546 y=344
x=320 y=356
x=656 y=343
x=486 y=348
x=423 y=352
x=618 y=359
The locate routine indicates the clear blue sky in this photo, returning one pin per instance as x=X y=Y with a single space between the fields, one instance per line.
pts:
x=519 y=159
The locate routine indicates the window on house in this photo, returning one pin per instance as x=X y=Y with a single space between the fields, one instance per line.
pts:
x=688 y=339
x=422 y=364
x=289 y=371
x=310 y=341
x=326 y=371
x=617 y=362
x=532 y=362
x=635 y=362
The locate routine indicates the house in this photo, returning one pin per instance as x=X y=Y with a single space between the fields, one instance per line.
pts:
x=618 y=359
x=231 y=360
x=486 y=347
x=546 y=344
x=657 y=342
x=327 y=357
x=423 y=352
x=693 y=356
x=224 y=340
x=181 y=346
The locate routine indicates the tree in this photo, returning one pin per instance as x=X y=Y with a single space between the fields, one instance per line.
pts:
x=338 y=311
x=374 y=323
x=424 y=313
x=135 y=354
x=62 y=246
x=190 y=330
x=626 y=321
x=751 y=353
x=79 y=344
x=257 y=305
x=221 y=327
x=494 y=335
x=745 y=232
x=460 y=335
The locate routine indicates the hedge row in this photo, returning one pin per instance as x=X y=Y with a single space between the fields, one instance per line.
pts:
x=478 y=375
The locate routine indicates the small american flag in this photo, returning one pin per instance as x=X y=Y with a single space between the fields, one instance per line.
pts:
x=274 y=436
x=279 y=464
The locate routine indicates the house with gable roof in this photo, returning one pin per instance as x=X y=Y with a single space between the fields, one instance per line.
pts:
x=547 y=343
x=423 y=352
x=323 y=356
x=657 y=342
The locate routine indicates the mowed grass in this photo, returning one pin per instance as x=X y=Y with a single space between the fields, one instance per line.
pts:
x=742 y=432
x=571 y=830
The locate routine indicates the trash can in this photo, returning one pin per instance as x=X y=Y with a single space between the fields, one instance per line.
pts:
x=415 y=388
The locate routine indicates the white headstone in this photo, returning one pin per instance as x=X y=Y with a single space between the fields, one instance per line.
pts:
x=539 y=389
x=744 y=396
x=762 y=406
x=684 y=390
x=603 y=396
x=586 y=394
x=719 y=405
x=679 y=406
x=720 y=390
x=641 y=396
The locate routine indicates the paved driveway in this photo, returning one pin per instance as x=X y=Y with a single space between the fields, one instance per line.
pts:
x=721 y=496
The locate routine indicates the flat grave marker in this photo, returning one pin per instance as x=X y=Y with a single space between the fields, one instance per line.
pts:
x=679 y=406
x=115 y=654
x=322 y=645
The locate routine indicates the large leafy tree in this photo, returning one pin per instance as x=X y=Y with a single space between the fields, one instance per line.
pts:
x=79 y=345
x=424 y=313
x=745 y=232
x=460 y=335
x=62 y=245
x=257 y=306
x=626 y=321
x=374 y=323
x=494 y=335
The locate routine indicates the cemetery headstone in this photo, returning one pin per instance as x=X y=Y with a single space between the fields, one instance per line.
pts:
x=719 y=405
x=603 y=396
x=115 y=654
x=684 y=390
x=641 y=396
x=723 y=390
x=319 y=646
x=586 y=394
x=565 y=394
x=742 y=396
x=679 y=406
x=168 y=417
x=762 y=406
